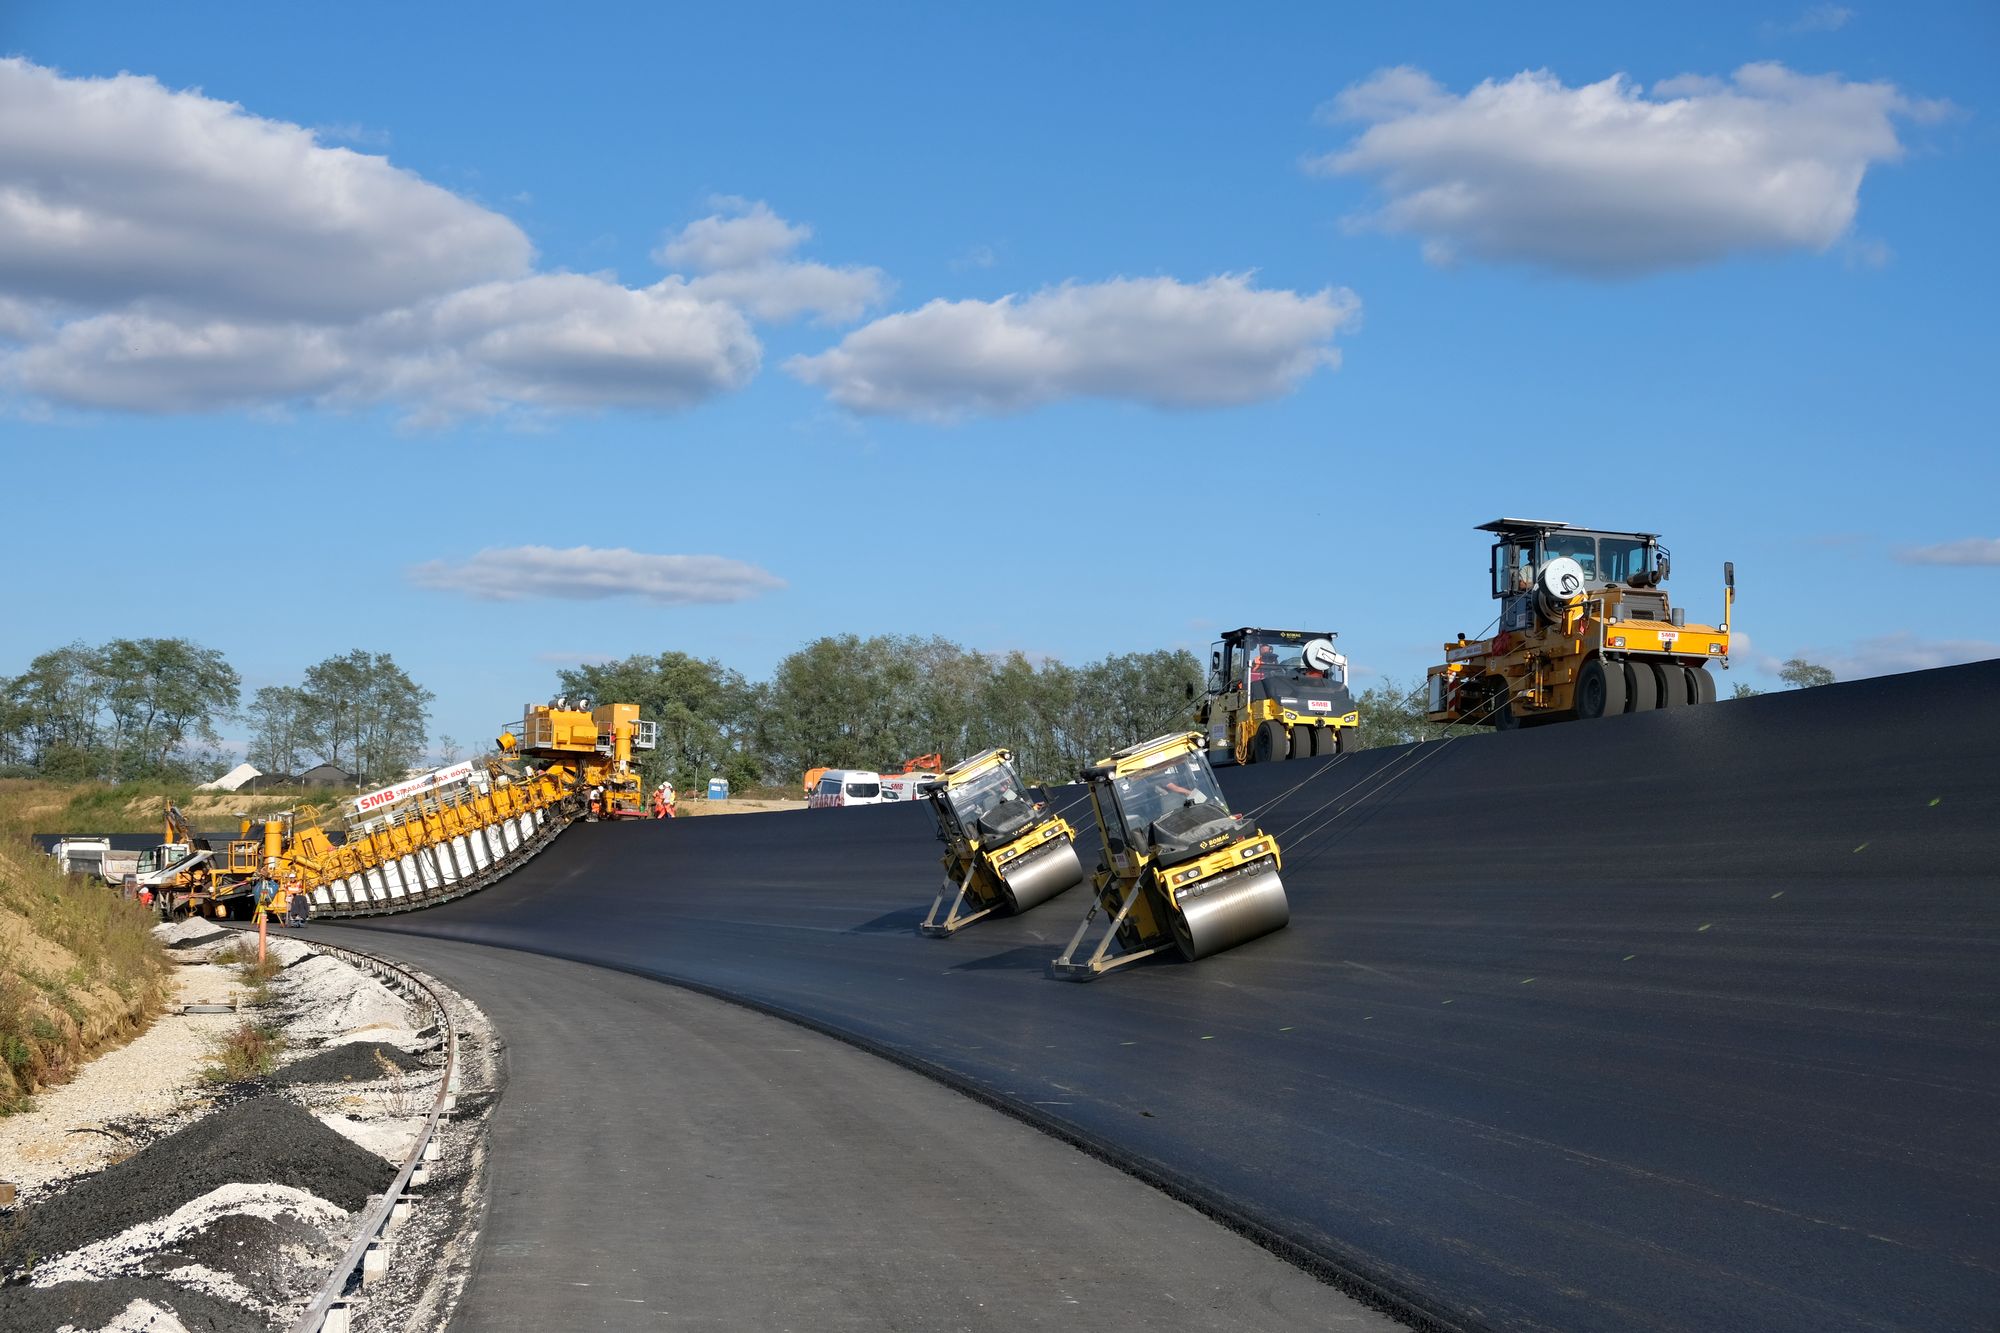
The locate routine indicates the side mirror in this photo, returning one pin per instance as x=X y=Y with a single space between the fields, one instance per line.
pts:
x=1215 y=661
x=1729 y=575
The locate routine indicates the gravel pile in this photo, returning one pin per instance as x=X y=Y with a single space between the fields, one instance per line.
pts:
x=192 y=933
x=327 y=1000
x=263 y=1247
x=124 y=1305
x=263 y=1140
x=349 y=1062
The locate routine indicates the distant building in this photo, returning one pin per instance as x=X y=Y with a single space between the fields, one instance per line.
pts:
x=233 y=780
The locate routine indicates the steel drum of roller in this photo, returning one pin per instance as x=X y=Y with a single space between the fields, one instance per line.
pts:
x=1222 y=913
x=1041 y=875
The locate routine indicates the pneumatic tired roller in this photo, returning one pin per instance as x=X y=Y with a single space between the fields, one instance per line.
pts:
x=1001 y=850
x=1180 y=871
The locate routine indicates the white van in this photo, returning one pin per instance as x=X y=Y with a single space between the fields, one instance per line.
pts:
x=846 y=786
x=910 y=786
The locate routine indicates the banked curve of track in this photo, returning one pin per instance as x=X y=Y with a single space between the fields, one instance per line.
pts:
x=1676 y=1021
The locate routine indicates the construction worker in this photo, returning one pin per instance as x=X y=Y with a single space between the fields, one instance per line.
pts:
x=596 y=803
x=296 y=905
x=668 y=799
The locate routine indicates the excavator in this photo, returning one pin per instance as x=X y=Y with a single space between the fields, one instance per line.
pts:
x=1585 y=631
x=1179 y=870
x=1277 y=694
x=1003 y=851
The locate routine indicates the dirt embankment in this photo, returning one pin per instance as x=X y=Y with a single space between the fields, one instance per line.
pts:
x=79 y=973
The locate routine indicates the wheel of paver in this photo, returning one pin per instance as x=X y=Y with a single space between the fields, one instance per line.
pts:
x=1704 y=684
x=1642 y=688
x=1272 y=744
x=1673 y=684
x=1600 y=689
x=1305 y=742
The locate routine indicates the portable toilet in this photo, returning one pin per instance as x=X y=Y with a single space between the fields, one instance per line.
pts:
x=718 y=789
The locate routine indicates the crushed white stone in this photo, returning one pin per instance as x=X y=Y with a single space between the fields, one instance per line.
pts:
x=390 y=1138
x=337 y=1002
x=141 y=1316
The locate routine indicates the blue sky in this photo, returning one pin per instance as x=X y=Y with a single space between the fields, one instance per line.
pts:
x=736 y=285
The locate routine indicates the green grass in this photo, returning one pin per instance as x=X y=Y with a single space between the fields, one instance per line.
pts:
x=45 y=1020
x=250 y=1051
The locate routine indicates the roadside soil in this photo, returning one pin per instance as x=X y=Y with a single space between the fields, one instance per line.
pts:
x=734 y=806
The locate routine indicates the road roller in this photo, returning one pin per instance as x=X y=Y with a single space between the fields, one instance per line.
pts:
x=1002 y=851
x=1585 y=631
x=1179 y=871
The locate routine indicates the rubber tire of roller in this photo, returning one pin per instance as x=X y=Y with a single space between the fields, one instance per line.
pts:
x=1343 y=739
x=1305 y=741
x=1600 y=689
x=1642 y=688
x=1272 y=744
x=1673 y=684
x=1704 y=684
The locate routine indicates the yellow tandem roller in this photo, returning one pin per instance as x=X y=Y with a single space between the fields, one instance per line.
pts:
x=1001 y=850
x=1179 y=870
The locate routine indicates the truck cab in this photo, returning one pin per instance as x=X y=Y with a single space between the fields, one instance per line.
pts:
x=1277 y=694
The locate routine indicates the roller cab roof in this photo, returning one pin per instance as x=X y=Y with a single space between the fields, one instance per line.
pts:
x=1536 y=527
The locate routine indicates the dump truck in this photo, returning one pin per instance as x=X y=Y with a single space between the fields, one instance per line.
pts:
x=1585 y=631
x=1178 y=870
x=1276 y=694
x=1003 y=851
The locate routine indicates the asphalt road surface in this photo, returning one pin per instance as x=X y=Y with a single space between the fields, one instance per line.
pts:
x=1678 y=1021
x=663 y=1160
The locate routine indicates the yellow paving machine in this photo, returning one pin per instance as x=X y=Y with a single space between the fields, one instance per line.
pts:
x=590 y=749
x=1276 y=694
x=1585 y=631
x=1001 y=849
x=1179 y=871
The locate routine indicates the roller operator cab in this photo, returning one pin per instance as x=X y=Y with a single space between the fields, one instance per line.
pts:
x=1585 y=630
x=1276 y=694
x=1179 y=870
x=1003 y=851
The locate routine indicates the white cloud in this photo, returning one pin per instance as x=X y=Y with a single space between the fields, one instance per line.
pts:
x=743 y=256
x=1818 y=18
x=119 y=190
x=162 y=251
x=1965 y=551
x=1151 y=340
x=1886 y=654
x=1608 y=180
x=515 y=573
x=742 y=235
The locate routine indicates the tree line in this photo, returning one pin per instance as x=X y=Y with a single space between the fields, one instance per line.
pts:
x=151 y=708
x=138 y=708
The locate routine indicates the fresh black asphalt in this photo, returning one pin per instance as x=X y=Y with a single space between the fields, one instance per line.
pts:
x=663 y=1160
x=1680 y=1021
